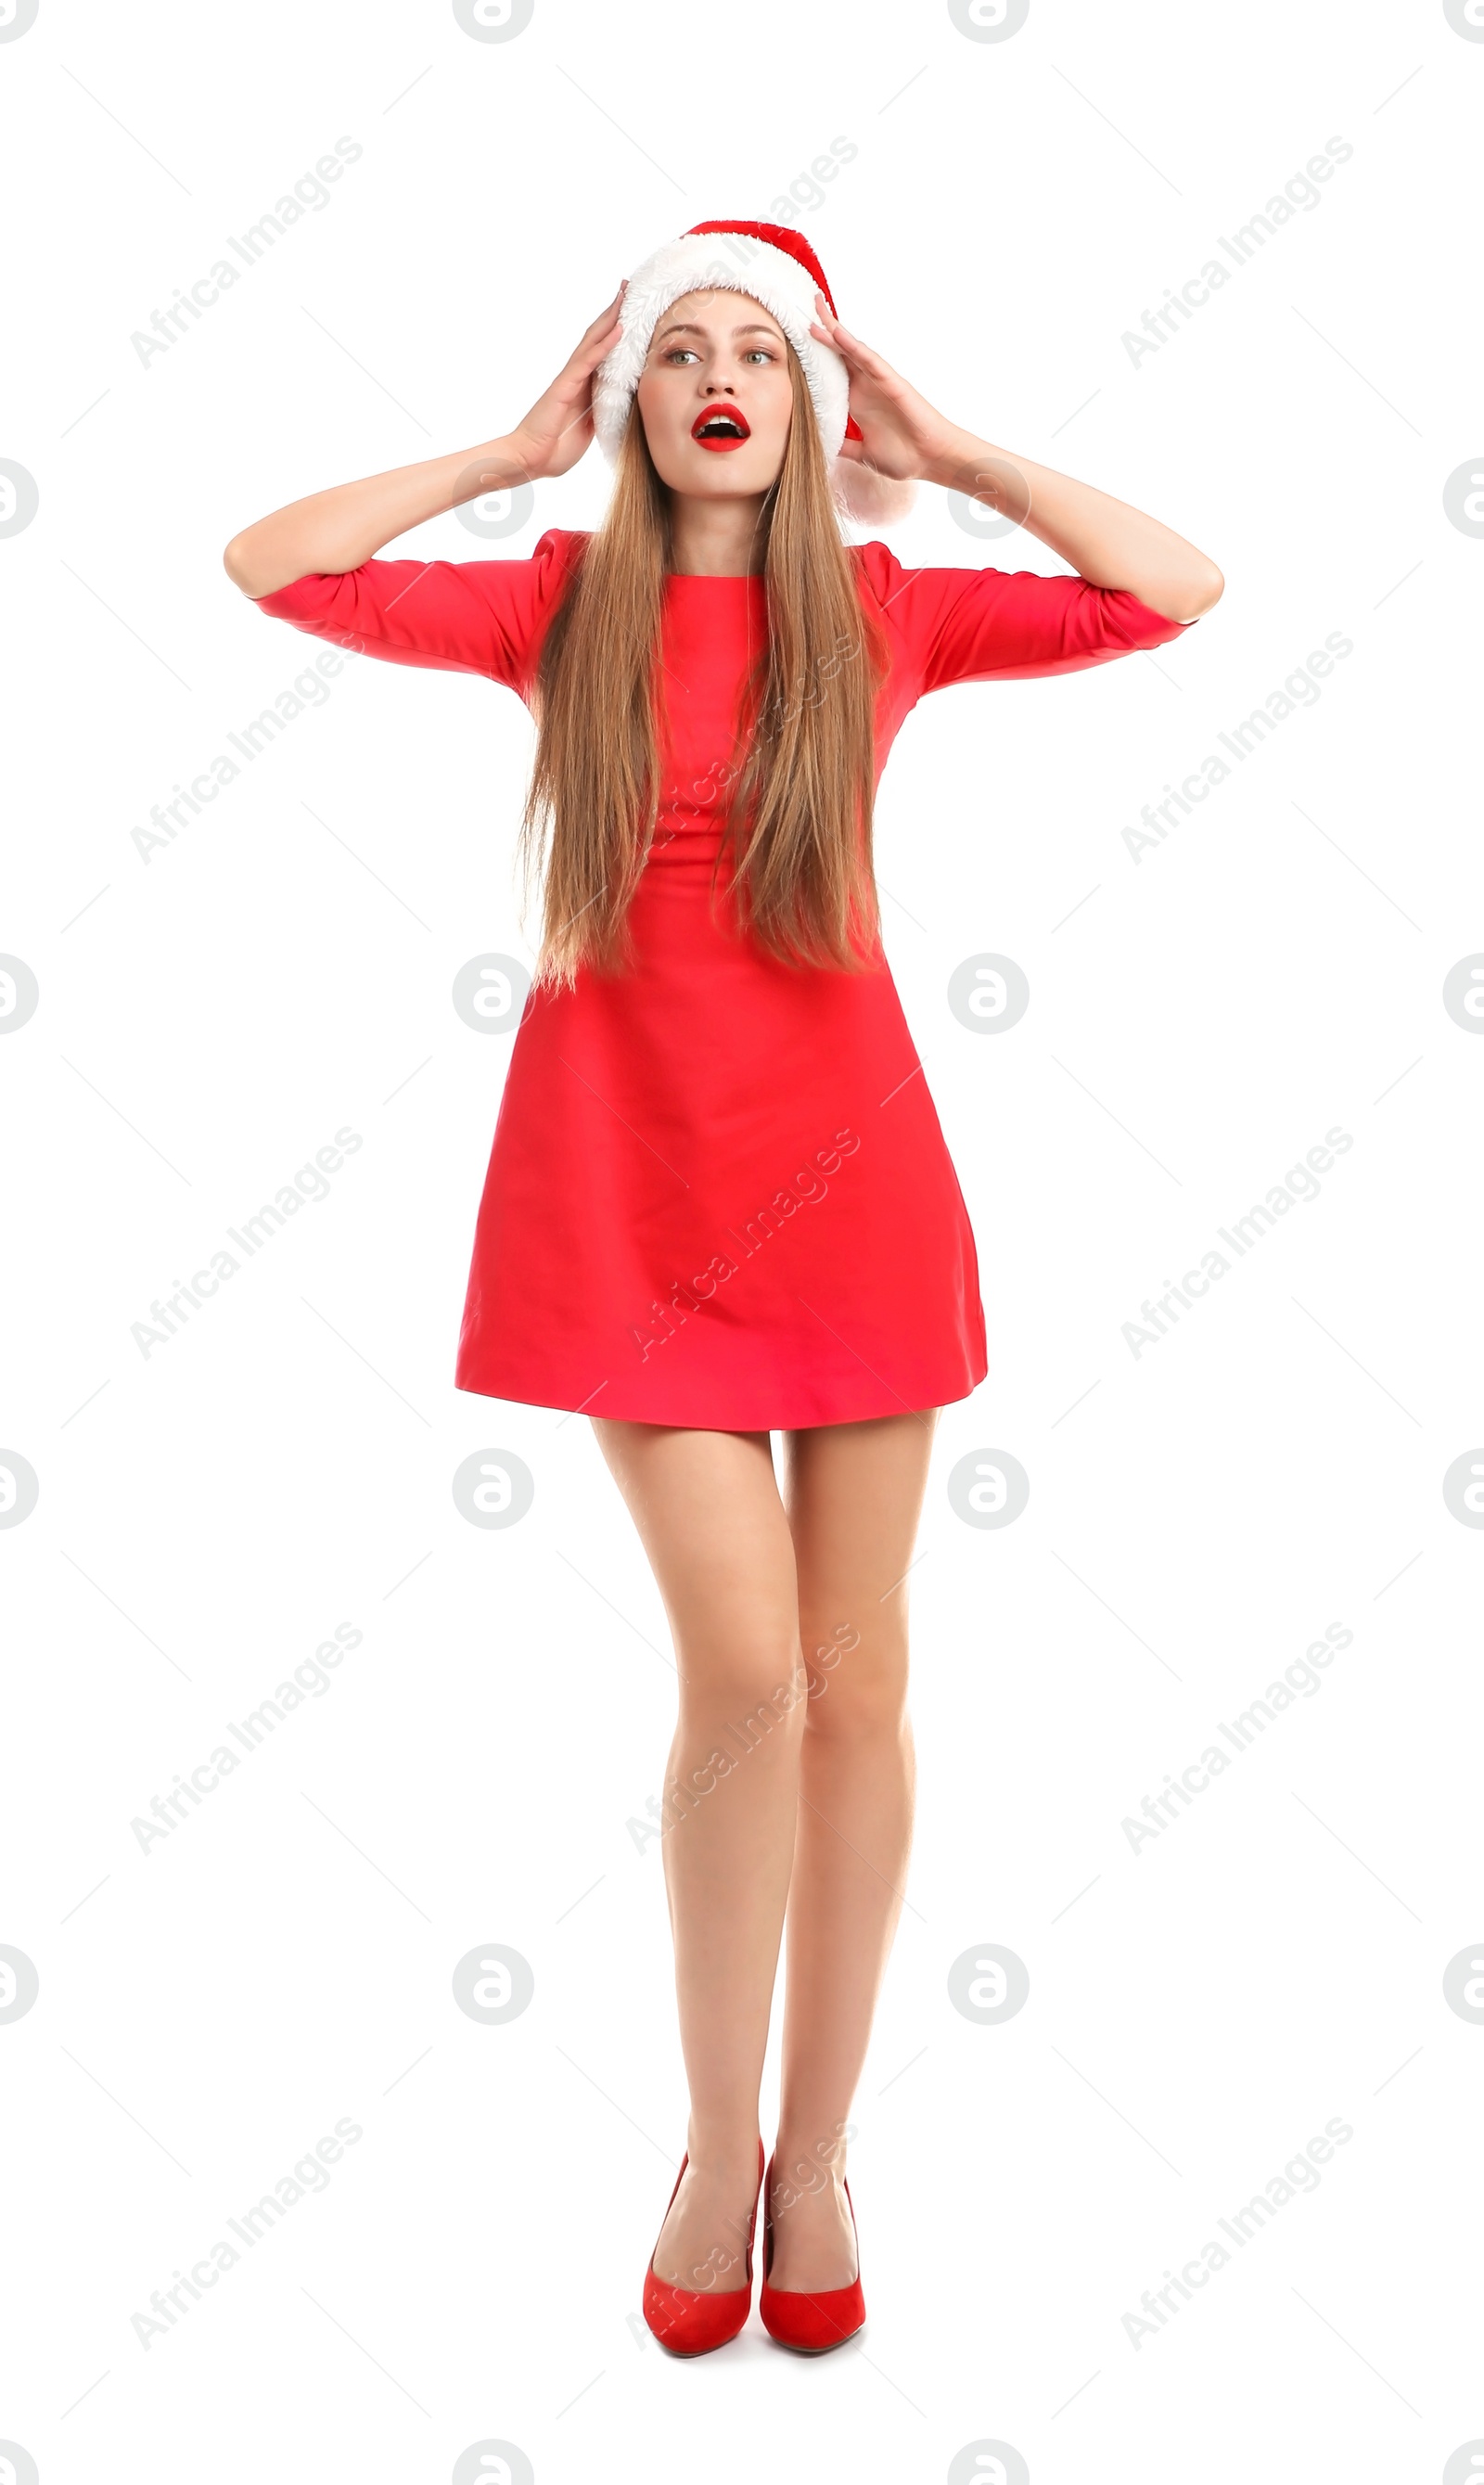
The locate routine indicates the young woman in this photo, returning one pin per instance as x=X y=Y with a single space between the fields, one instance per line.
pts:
x=719 y=1204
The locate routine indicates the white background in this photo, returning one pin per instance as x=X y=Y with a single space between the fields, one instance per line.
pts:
x=1198 y=1514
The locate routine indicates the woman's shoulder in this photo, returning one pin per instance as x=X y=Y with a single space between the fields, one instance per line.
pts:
x=908 y=604
x=526 y=585
x=878 y=569
x=561 y=548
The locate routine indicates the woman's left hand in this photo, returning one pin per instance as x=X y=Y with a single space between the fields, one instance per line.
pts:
x=904 y=437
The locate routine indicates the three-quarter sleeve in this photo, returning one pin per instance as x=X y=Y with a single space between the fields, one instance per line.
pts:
x=462 y=617
x=980 y=625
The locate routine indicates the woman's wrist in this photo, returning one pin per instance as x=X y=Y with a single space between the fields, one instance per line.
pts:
x=965 y=463
x=499 y=466
x=981 y=473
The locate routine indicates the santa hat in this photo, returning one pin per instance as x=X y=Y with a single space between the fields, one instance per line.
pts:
x=776 y=267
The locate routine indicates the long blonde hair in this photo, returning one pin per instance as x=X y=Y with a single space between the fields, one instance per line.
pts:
x=798 y=843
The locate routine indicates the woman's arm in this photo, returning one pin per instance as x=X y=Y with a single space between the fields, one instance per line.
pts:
x=338 y=530
x=1107 y=542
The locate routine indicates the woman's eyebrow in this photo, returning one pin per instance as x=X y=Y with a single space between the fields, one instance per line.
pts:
x=690 y=328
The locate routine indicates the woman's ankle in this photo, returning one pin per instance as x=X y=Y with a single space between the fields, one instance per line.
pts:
x=807 y=2166
x=722 y=2155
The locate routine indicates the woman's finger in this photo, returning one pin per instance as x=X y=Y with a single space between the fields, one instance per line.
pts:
x=605 y=320
x=611 y=309
x=602 y=327
x=857 y=357
x=594 y=350
x=865 y=355
x=596 y=345
x=850 y=345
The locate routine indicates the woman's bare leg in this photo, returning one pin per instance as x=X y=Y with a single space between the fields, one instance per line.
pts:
x=854 y=1496
x=709 y=1513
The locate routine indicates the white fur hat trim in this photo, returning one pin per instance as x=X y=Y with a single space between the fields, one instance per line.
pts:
x=692 y=264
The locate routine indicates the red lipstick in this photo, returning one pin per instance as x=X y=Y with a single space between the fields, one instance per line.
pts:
x=721 y=427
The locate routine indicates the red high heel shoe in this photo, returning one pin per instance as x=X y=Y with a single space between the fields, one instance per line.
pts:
x=811 y=2324
x=691 y=2323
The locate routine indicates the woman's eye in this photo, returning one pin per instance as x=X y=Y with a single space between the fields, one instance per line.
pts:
x=679 y=353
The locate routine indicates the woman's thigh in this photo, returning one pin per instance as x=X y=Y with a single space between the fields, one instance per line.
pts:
x=710 y=1515
x=853 y=1493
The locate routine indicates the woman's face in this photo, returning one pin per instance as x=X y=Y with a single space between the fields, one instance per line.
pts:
x=715 y=395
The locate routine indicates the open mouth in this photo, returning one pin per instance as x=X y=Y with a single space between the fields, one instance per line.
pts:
x=721 y=428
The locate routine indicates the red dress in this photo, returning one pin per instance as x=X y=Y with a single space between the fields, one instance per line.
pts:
x=719 y=1194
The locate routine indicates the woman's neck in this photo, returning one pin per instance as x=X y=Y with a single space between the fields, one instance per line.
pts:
x=716 y=538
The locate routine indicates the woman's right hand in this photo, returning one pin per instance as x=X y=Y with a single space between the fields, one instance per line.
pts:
x=558 y=428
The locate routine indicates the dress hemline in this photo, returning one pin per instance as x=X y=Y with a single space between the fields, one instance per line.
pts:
x=684 y=1417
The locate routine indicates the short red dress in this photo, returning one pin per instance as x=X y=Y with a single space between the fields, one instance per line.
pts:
x=719 y=1194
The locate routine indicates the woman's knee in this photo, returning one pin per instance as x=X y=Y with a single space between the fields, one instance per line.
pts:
x=857 y=1689
x=755 y=1677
